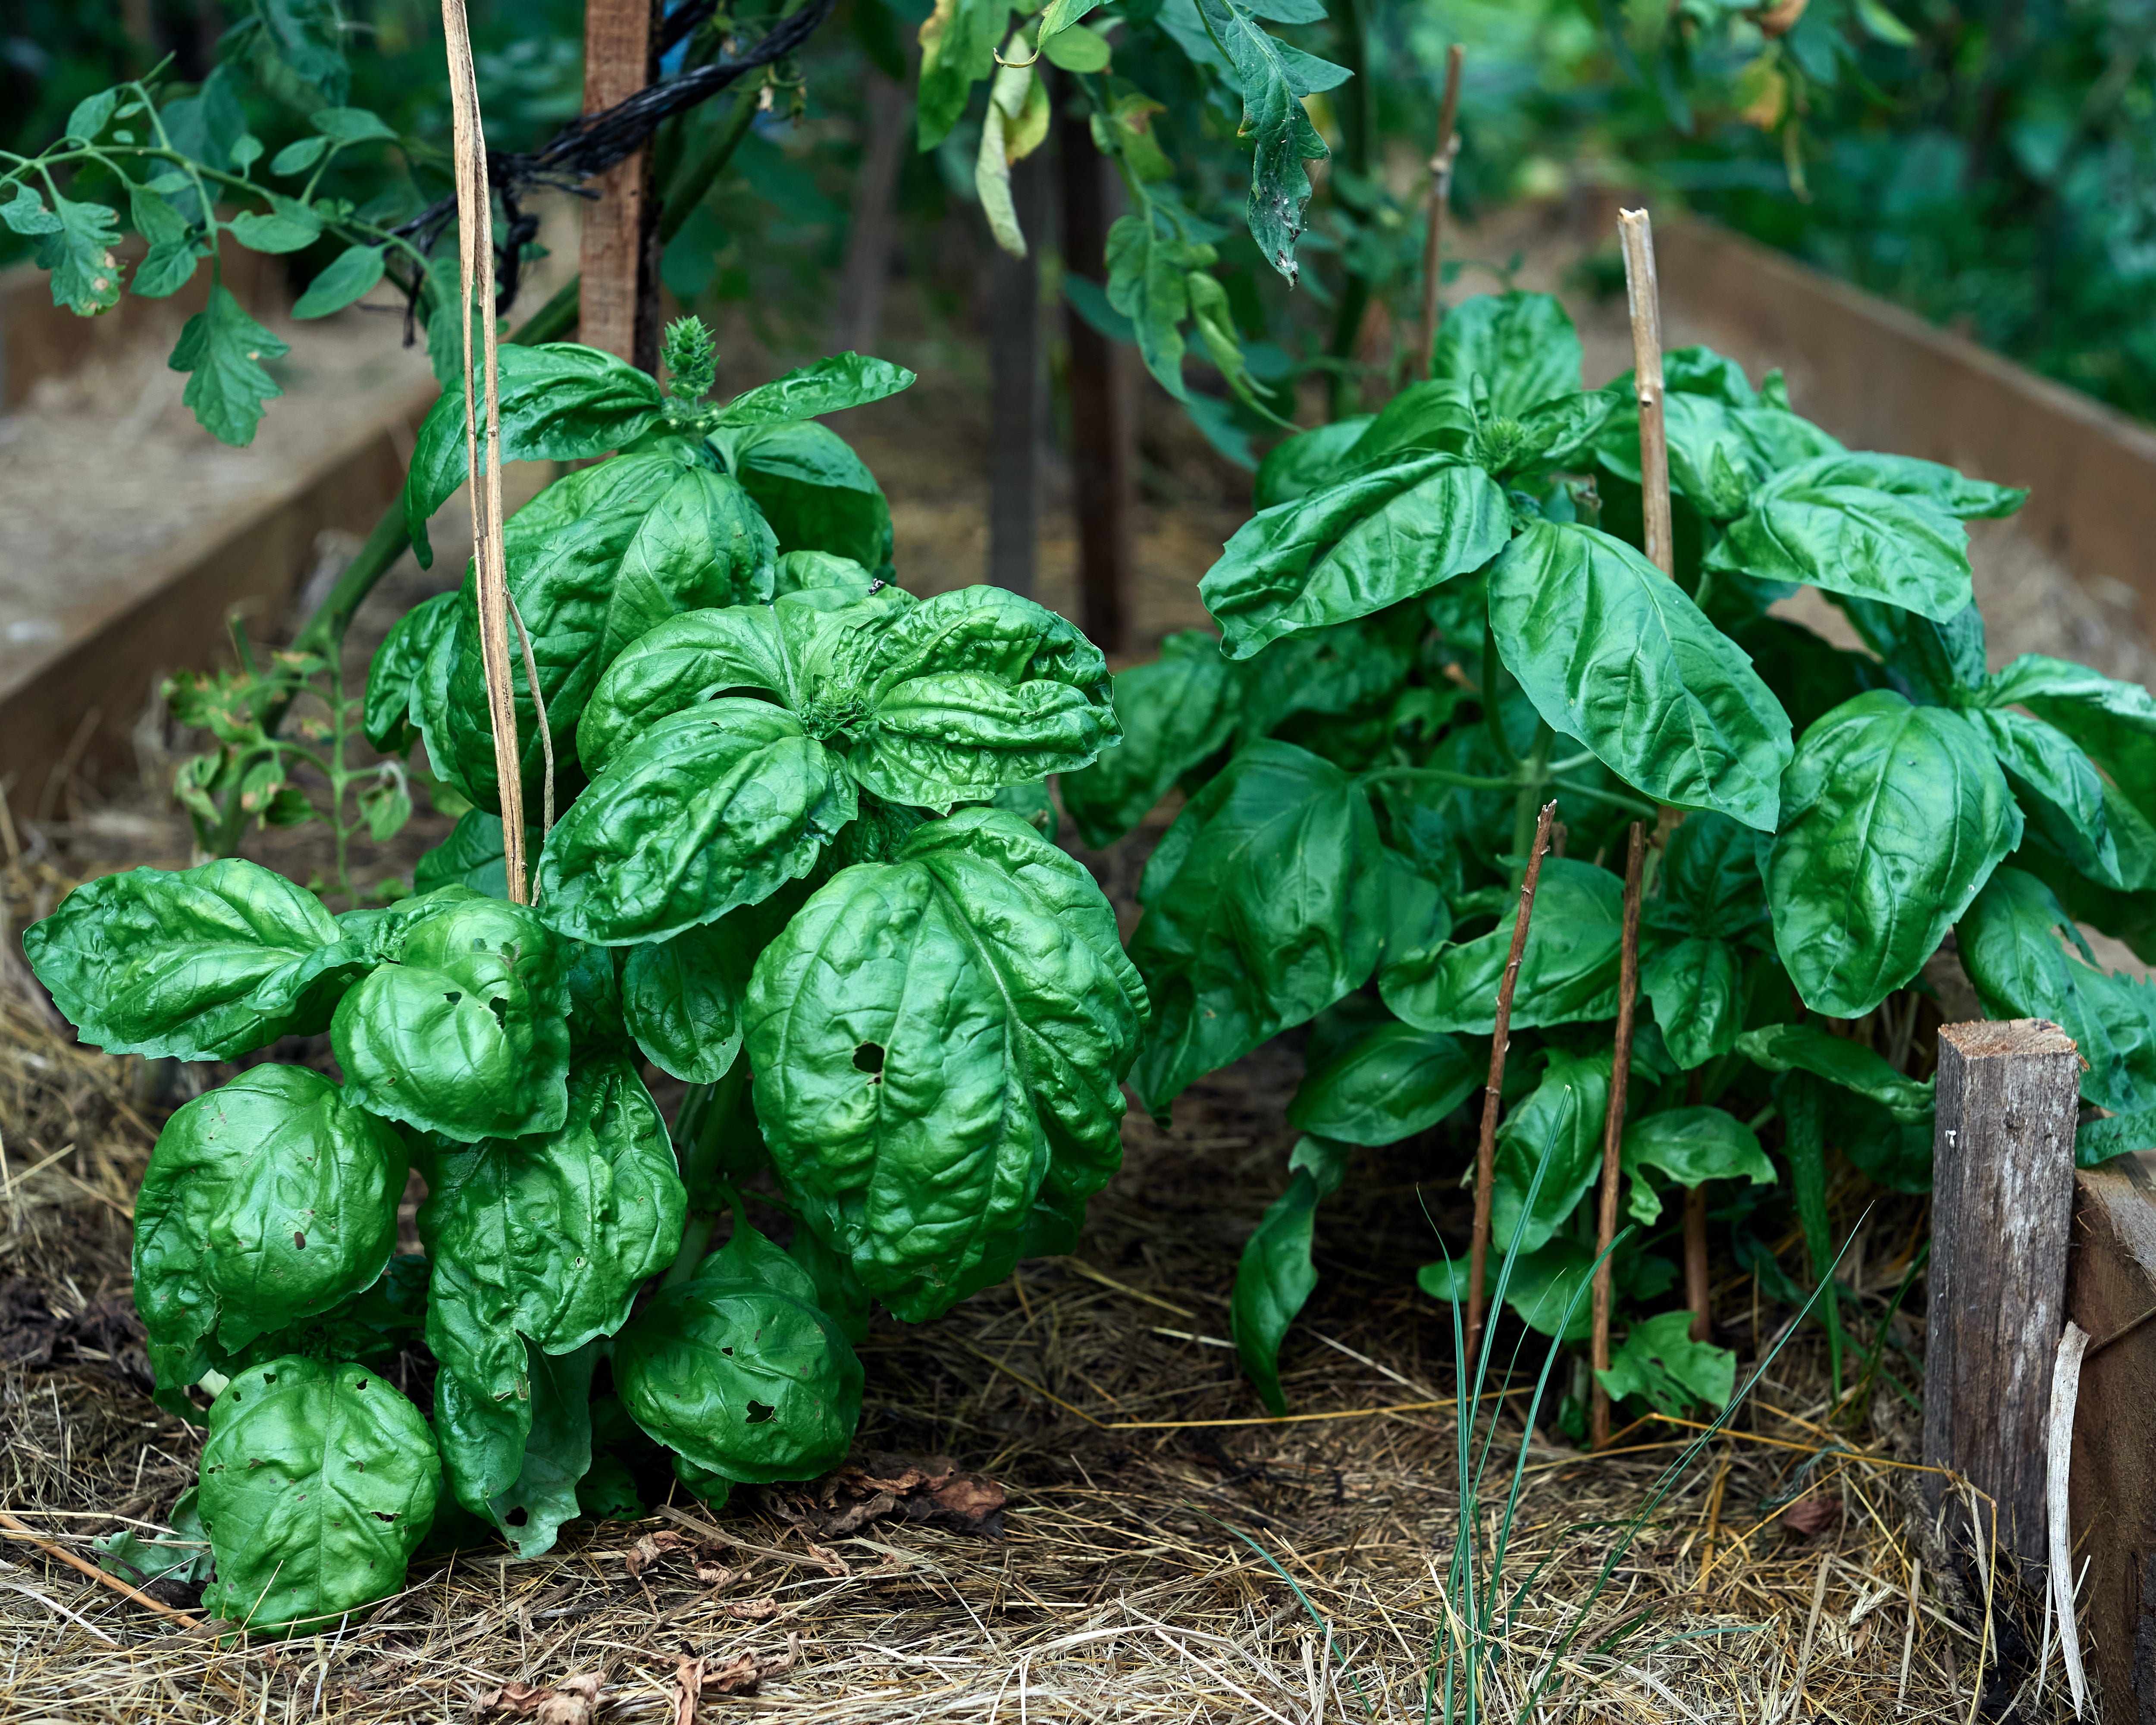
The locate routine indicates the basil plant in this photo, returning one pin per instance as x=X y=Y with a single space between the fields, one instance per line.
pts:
x=800 y=865
x=1439 y=618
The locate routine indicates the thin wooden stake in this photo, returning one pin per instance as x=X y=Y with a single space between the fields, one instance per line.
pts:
x=1613 y=1123
x=476 y=262
x=619 y=247
x=1643 y=297
x=1485 y=1153
x=1699 y=1288
x=1440 y=194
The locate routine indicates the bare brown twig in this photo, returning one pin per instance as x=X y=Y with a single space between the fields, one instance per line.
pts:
x=1440 y=194
x=1613 y=1122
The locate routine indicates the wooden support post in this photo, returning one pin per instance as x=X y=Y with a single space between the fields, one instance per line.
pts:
x=618 y=255
x=1103 y=405
x=873 y=219
x=2002 y=1204
x=1612 y=1132
x=1014 y=407
x=1643 y=296
x=2111 y=1293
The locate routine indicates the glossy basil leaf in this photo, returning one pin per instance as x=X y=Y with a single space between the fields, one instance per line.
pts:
x=2114 y=722
x=821 y=570
x=1661 y=1364
x=1562 y=1119
x=1387 y=1084
x=473 y=855
x=1893 y=817
x=1850 y=539
x=595 y=562
x=1906 y=476
x=1568 y=969
x=397 y=666
x=1808 y=1048
x=714 y=808
x=1263 y=906
x=1522 y=346
x=1344 y=669
x=1307 y=461
x=1939 y=662
x=682 y=998
x=1709 y=881
x=1720 y=452
x=1433 y=417
x=1370 y=542
x=827 y=386
x=166 y=963
x=1692 y=1145
x=1694 y=986
x=1555 y=434
x=1541 y=1288
x=1611 y=651
x=267 y=1202
x=1273 y=1281
x=1272 y=78
x=2010 y=945
x=318 y=1482
x=2057 y=787
x=560 y=401
x=932 y=1039
x=817 y=494
x=744 y=1381
x=462 y=1029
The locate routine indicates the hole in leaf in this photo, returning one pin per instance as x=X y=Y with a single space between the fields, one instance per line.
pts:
x=728 y=1352
x=868 y=1058
x=758 y=1412
x=361 y=1383
x=518 y=1516
x=299 y=1241
x=452 y=997
x=267 y=1378
x=359 y=1467
x=383 y=1515
x=501 y=1011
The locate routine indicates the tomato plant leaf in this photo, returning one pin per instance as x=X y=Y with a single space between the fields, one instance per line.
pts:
x=1147 y=283
x=288 y=225
x=957 y=50
x=354 y=270
x=221 y=348
x=77 y=249
x=1273 y=78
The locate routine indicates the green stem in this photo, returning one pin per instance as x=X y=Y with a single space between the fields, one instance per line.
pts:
x=1805 y=1141
x=1492 y=717
x=1439 y=775
x=338 y=781
x=1633 y=805
x=696 y=1241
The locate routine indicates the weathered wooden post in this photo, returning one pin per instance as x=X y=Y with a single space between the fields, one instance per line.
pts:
x=618 y=254
x=1015 y=388
x=2002 y=1207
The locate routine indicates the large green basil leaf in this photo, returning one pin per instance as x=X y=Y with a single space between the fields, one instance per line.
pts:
x=1370 y=541
x=1906 y=476
x=1275 y=1276
x=1564 y=1119
x=1568 y=969
x=932 y=1037
x=2010 y=946
x=1661 y=1364
x=1522 y=346
x=745 y=1381
x=1941 y=663
x=395 y=671
x=1344 y=669
x=1850 y=539
x=682 y=998
x=1547 y=1289
x=1264 y=904
x=1273 y=78
x=714 y=808
x=462 y=1029
x=267 y=1202
x=1432 y=418
x=560 y=401
x=1893 y=816
x=827 y=386
x=1307 y=461
x=2114 y=722
x=157 y=963
x=1693 y=984
x=1719 y=451
x=1692 y=1145
x=1611 y=651
x=1176 y=712
x=817 y=494
x=594 y=561
x=318 y=1482
x=1710 y=879
x=1809 y=1048
x=1389 y=1084
x=2058 y=788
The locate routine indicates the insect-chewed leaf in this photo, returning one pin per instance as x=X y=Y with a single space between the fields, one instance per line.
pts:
x=1568 y=969
x=817 y=494
x=1358 y=546
x=1264 y=904
x=1902 y=549
x=936 y=1037
x=560 y=401
x=1389 y=1084
x=1273 y=78
x=267 y=1202
x=595 y=561
x=201 y=964
x=714 y=808
x=1692 y=1145
x=843 y=380
x=1893 y=817
x=1522 y=346
x=1661 y=1363
x=398 y=664
x=1612 y=651
x=1176 y=711
x=748 y=1383
x=221 y=348
x=463 y=1030
x=318 y=1482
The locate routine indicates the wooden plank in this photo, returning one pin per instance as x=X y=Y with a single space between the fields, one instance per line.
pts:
x=2002 y=1205
x=2111 y=1292
x=619 y=251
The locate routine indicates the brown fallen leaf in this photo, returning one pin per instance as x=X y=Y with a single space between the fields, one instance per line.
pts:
x=571 y=1701
x=744 y=1671
x=931 y=1489
x=688 y=1688
x=750 y=1610
x=652 y=1547
x=1812 y=1514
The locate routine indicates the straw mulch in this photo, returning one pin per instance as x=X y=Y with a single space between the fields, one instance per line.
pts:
x=1153 y=1520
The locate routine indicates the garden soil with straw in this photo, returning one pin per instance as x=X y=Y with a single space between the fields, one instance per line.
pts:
x=1065 y=1506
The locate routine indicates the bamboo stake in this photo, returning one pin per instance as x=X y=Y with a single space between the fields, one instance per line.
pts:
x=1485 y=1153
x=475 y=263
x=102 y=1578
x=1643 y=298
x=1612 y=1122
x=1440 y=194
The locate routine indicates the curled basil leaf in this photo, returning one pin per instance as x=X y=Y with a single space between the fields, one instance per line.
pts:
x=318 y=1482
x=817 y=494
x=1692 y=1145
x=936 y=1040
x=1905 y=550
